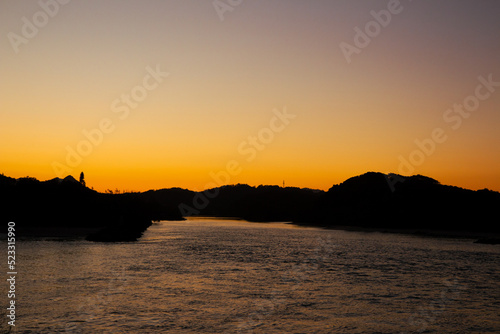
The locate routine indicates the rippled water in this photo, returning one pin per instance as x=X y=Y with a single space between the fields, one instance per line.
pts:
x=222 y=276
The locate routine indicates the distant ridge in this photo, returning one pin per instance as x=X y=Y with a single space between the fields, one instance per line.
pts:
x=370 y=200
x=65 y=207
x=406 y=202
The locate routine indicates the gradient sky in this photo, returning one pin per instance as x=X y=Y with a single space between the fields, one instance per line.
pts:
x=227 y=76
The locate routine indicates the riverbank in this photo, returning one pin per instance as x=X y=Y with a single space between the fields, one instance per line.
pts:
x=477 y=236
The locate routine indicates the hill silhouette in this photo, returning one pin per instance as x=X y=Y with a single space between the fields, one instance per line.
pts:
x=66 y=207
x=371 y=200
x=416 y=202
x=259 y=204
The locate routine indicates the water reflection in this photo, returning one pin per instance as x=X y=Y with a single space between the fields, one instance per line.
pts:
x=217 y=276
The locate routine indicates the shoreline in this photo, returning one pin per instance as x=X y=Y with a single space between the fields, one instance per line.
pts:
x=422 y=232
x=76 y=233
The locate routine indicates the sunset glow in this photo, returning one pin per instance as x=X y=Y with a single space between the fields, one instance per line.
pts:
x=157 y=94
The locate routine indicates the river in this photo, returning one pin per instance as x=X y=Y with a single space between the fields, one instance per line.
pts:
x=207 y=275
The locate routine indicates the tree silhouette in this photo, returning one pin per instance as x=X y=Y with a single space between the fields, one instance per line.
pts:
x=82 y=179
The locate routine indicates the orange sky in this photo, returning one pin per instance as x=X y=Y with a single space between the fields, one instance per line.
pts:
x=169 y=94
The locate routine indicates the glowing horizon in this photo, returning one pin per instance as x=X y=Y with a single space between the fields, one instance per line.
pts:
x=160 y=94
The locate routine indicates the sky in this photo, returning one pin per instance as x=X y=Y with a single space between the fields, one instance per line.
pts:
x=156 y=94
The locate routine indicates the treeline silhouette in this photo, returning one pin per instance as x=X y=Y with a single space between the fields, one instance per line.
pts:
x=66 y=204
x=258 y=204
x=416 y=202
x=371 y=200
